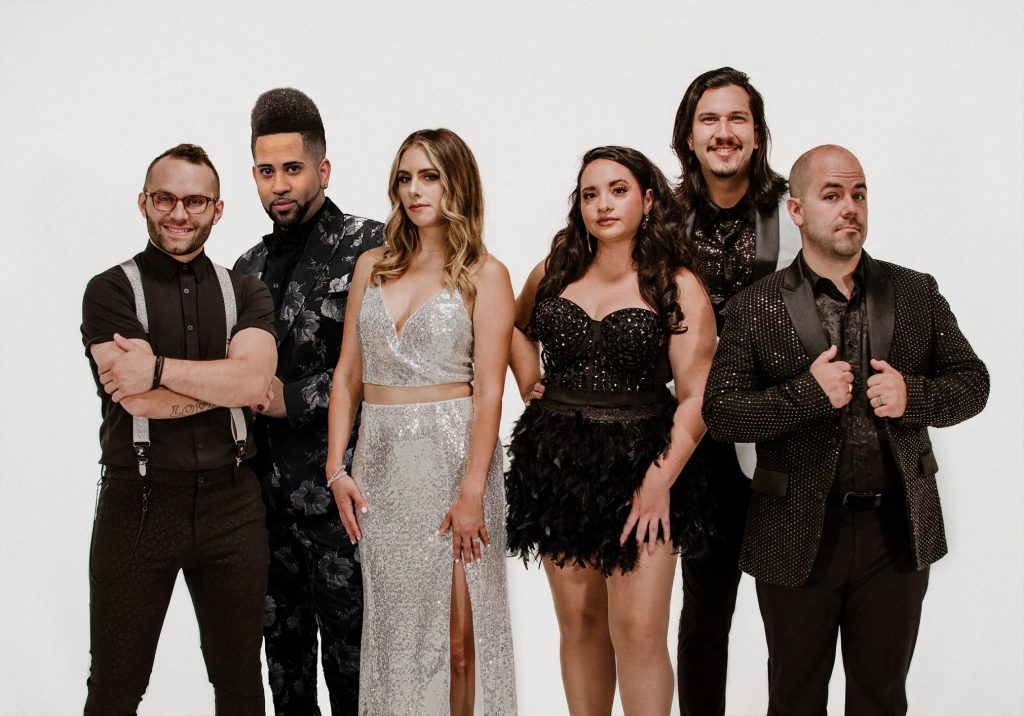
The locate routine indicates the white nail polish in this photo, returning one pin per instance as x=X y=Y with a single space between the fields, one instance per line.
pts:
x=363 y=509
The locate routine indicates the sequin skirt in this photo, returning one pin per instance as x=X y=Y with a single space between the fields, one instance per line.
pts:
x=409 y=463
x=572 y=475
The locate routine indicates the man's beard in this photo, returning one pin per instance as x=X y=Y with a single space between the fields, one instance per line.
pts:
x=202 y=232
x=727 y=171
x=292 y=218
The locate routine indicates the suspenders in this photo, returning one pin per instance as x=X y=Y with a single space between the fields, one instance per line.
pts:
x=140 y=426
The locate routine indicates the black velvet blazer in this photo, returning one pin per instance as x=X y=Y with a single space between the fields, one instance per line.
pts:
x=761 y=390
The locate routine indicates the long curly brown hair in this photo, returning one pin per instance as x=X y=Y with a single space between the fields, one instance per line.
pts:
x=659 y=250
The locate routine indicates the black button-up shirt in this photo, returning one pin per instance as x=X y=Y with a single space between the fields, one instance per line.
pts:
x=284 y=248
x=865 y=458
x=186 y=320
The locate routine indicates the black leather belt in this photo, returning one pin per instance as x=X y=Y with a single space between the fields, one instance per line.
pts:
x=860 y=501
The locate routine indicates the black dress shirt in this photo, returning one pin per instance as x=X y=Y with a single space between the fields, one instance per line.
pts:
x=186 y=320
x=284 y=248
x=725 y=242
x=865 y=458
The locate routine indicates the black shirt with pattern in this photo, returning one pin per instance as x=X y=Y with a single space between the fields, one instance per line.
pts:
x=725 y=242
x=865 y=460
x=186 y=320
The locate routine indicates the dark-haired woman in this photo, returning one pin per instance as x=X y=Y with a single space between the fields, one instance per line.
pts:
x=426 y=343
x=598 y=485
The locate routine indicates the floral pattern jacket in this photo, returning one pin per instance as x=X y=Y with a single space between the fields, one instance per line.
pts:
x=309 y=327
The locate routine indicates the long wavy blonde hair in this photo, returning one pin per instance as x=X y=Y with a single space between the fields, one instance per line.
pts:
x=462 y=204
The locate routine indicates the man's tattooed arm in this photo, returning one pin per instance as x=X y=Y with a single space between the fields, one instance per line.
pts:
x=164 y=404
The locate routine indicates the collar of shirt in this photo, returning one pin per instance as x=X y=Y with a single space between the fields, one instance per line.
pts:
x=165 y=267
x=283 y=240
x=709 y=214
x=821 y=285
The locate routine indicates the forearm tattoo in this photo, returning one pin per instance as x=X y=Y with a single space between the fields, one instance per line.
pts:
x=197 y=406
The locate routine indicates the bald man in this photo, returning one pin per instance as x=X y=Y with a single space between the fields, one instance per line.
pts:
x=836 y=367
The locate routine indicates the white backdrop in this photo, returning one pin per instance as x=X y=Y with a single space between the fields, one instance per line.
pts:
x=927 y=94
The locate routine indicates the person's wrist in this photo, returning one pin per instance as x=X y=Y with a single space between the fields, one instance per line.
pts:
x=337 y=475
x=158 y=371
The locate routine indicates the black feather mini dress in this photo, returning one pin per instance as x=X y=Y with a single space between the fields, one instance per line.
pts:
x=579 y=454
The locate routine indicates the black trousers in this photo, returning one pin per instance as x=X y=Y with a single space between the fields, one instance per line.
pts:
x=709 y=588
x=315 y=581
x=863 y=589
x=208 y=525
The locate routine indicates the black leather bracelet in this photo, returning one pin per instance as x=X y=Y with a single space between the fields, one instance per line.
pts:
x=158 y=371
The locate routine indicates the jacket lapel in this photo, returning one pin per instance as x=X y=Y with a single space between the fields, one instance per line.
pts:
x=254 y=262
x=766 y=251
x=321 y=244
x=798 y=297
x=881 y=307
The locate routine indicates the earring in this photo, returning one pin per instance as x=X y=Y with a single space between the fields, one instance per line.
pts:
x=590 y=242
x=643 y=224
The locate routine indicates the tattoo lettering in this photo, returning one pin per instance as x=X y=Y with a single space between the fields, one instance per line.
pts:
x=183 y=411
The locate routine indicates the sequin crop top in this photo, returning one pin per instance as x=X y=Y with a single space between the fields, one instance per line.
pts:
x=588 y=361
x=435 y=346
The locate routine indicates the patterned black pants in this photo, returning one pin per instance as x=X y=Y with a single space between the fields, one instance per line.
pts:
x=315 y=581
x=208 y=525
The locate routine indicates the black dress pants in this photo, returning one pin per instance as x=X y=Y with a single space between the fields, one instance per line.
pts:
x=210 y=525
x=709 y=588
x=315 y=583
x=864 y=589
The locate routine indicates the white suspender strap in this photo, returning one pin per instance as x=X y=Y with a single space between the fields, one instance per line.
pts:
x=140 y=426
x=238 y=429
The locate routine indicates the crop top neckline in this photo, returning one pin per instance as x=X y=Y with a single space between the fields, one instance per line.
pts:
x=394 y=324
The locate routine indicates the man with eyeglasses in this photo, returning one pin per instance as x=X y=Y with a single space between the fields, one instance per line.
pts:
x=177 y=346
x=315 y=580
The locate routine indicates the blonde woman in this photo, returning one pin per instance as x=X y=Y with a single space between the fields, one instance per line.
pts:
x=427 y=334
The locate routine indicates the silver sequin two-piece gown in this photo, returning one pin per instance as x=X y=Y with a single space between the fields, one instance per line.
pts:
x=409 y=463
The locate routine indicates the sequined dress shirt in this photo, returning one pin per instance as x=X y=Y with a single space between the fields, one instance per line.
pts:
x=725 y=241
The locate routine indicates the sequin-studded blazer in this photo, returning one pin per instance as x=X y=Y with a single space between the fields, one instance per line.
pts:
x=761 y=390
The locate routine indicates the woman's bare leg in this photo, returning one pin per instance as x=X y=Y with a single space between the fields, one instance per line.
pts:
x=638 y=613
x=463 y=653
x=587 y=657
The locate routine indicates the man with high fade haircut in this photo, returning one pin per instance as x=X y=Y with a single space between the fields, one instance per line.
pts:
x=736 y=218
x=177 y=493
x=306 y=261
x=836 y=367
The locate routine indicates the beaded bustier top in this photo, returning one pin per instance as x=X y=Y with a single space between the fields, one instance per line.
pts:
x=626 y=352
x=434 y=347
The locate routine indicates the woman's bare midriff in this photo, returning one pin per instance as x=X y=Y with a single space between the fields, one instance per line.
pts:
x=395 y=395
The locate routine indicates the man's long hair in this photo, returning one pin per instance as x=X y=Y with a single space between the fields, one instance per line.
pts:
x=766 y=186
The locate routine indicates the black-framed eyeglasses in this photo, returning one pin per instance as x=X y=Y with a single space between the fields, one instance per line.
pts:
x=164 y=201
